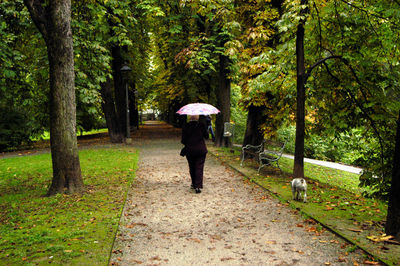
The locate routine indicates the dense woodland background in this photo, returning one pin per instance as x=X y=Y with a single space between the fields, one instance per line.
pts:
x=255 y=60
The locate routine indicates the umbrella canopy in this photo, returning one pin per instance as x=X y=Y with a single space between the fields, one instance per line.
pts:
x=198 y=109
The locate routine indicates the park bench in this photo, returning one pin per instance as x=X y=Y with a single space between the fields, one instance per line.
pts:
x=252 y=150
x=271 y=155
x=266 y=153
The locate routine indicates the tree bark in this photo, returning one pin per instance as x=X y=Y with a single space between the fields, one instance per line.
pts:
x=54 y=23
x=253 y=134
x=114 y=129
x=224 y=103
x=119 y=88
x=298 y=171
x=392 y=226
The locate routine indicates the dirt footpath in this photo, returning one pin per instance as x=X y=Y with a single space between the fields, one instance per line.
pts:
x=232 y=222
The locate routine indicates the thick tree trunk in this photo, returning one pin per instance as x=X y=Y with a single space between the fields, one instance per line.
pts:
x=114 y=130
x=224 y=103
x=392 y=226
x=298 y=170
x=120 y=93
x=54 y=22
x=253 y=134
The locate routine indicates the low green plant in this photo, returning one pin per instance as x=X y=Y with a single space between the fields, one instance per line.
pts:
x=15 y=127
x=63 y=229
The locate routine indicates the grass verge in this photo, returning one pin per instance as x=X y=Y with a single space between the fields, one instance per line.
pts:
x=64 y=229
x=334 y=200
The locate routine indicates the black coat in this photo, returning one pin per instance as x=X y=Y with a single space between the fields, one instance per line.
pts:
x=193 y=135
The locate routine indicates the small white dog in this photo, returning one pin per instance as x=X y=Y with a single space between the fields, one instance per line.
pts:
x=299 y=185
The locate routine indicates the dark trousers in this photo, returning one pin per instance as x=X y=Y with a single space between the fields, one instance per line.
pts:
x=196 y=167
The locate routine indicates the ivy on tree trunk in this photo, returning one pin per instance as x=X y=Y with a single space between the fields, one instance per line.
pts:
x=54 y=22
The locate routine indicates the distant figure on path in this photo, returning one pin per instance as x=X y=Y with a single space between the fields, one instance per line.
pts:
x=209 y=127
x=193 y=135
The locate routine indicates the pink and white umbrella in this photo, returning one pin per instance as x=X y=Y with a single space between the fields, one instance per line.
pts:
x=198 y=109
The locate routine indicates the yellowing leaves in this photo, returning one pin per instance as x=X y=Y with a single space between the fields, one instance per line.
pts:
x=383 y=238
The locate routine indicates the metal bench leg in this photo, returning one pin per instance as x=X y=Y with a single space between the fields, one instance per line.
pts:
x=259 y=168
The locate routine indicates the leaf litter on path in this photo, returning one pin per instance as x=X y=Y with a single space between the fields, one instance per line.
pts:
x=232 y=221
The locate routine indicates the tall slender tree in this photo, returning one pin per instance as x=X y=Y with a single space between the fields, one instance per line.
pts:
x=298 y=170
x=53 y=20
x=392 y=226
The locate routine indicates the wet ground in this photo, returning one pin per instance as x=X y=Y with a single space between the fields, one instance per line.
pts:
x=232 y=222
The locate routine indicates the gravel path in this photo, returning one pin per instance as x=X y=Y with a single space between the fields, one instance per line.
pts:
x=232 y=222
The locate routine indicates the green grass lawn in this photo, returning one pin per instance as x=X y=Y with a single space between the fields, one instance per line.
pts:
x=46 y=134
x=64 y=229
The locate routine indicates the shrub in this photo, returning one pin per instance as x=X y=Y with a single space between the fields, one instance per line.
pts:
x=15 y=128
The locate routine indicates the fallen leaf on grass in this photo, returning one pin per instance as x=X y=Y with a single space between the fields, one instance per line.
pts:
x=383 y=238
x=355 y=230
x=310 y=221
x=371 y=262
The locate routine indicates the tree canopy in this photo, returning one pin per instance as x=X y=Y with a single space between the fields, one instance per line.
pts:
x=187 y=51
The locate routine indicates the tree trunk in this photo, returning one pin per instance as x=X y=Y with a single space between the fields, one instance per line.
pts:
x=133 y=109
x=224 y=103
x=392 y=226
x=114 y=130
x=120 y=93
x=53 y=21
x=298 y=171
x=253 y=134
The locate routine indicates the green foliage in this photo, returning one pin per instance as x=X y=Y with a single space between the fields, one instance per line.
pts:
x=64 y=229
x=356 y=91
x=15 y=128
x=238 y=116
x=23 y=65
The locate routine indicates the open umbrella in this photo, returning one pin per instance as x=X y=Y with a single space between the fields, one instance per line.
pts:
x=198 y=109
